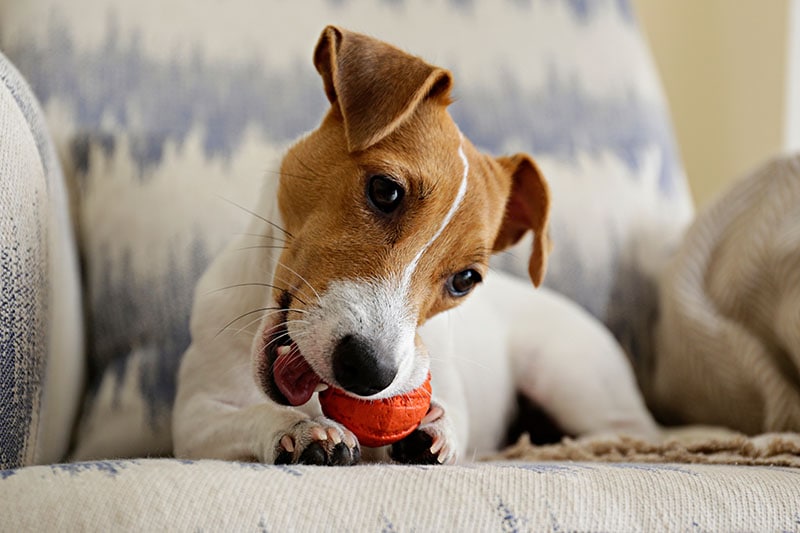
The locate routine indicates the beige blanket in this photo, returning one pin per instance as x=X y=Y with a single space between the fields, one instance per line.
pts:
x=690 y=445
x=728 y=338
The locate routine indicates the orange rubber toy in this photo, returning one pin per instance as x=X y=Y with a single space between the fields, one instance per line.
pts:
x=378 y=422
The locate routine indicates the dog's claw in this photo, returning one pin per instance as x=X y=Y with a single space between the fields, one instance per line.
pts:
x=430 y=443
x=433 y=414
x=287 y=443
x=446 y=457
x=334 y=435
x=319 y=434
x=438 y=442
x=350 y=439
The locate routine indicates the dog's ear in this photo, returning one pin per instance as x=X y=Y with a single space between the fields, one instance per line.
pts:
x=375 y=85
x=527 y=208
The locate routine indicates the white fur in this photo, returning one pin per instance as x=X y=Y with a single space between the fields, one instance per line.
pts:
x=374 y=310
x=505 y=337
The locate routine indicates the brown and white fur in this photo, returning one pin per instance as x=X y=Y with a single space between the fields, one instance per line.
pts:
x=360 y=290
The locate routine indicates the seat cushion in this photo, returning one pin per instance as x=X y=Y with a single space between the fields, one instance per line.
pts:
x=171 y=495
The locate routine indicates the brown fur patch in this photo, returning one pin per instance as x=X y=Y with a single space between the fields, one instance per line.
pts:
x=395 y=124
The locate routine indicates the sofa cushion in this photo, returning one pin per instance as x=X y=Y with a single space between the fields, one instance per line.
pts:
x=161 y=121
x=41 y=353
x=171 y=495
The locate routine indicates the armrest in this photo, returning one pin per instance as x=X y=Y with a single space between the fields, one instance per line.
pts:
x=41 y=340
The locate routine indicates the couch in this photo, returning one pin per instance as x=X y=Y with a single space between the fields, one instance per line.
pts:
x=124 y=125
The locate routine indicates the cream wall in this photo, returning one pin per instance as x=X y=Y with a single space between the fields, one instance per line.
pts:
x=723 y=65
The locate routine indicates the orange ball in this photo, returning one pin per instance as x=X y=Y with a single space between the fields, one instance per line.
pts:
x=378 y=422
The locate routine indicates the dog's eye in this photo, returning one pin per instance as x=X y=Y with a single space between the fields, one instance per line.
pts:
x=385 y=193
x=460 y=284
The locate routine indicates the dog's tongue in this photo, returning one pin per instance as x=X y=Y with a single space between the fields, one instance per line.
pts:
x=294 y=377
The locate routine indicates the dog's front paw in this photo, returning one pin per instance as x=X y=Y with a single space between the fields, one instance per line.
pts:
x=433 y=442
x=318 y=441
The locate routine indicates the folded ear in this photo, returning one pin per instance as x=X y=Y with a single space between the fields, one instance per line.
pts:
x=527 y=208
x=375 y=85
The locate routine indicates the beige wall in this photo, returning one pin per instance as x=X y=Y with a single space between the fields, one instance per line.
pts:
x=723 y=65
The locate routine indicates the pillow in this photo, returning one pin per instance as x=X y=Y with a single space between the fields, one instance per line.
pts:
x=161 y=122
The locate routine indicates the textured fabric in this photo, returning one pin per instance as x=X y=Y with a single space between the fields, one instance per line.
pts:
x=165 y=110
x=23 y=278
x=40 y=313
x=691 y=445
x=729 y=336
x=169 y=495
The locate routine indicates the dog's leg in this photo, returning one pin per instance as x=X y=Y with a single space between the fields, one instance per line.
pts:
x=228 y=418
x=442 y=435
x=219 y=410
x=564 y=361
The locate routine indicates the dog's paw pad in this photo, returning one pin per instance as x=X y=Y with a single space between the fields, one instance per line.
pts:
x=414 y=449
x=343 y=456
x=318 y=442
x=314 y=454
x=430 y=443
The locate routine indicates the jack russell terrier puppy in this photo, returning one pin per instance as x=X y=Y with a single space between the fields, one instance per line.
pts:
x=382 y=220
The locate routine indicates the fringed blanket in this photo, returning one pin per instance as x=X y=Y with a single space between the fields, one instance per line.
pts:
x=699 y=447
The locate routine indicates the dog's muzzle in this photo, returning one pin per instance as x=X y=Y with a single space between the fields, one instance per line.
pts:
x=289 y=379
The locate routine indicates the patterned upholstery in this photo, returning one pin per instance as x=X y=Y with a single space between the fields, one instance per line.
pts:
x=159 y=122
x=41 y=355
x=154 y=121
x=170 y=495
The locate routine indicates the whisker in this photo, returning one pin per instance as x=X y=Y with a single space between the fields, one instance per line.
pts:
x=277 y=262
x=257 y=319
x=257 y=284
x=260 y=310
x=257 y=216
x=304 y=280
x=296 y=289
x=263 y=246
x=262 y=236
x=286 y=323
x=282 y=336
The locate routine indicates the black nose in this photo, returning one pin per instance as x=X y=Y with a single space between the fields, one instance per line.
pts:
x=358 y=367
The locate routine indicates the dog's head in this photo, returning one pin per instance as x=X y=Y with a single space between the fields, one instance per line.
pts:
x=393 y=215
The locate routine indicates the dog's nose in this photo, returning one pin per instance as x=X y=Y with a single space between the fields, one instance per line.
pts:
x=358 y=367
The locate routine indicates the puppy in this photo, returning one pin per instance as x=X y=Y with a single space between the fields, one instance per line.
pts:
x=382 y=220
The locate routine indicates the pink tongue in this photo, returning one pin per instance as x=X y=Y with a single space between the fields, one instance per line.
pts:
x=294 y=377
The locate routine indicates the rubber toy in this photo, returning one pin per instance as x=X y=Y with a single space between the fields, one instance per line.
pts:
x=378 y=422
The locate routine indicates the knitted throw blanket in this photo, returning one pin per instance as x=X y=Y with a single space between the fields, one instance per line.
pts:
x=728 y=338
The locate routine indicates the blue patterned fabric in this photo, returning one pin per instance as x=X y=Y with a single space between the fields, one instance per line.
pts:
x=171 y=495
x=160 y=121
x=35 y=236
x=23 y=271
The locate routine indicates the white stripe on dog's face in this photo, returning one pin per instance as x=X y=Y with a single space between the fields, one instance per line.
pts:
x=462 y=191
x=378 y=310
